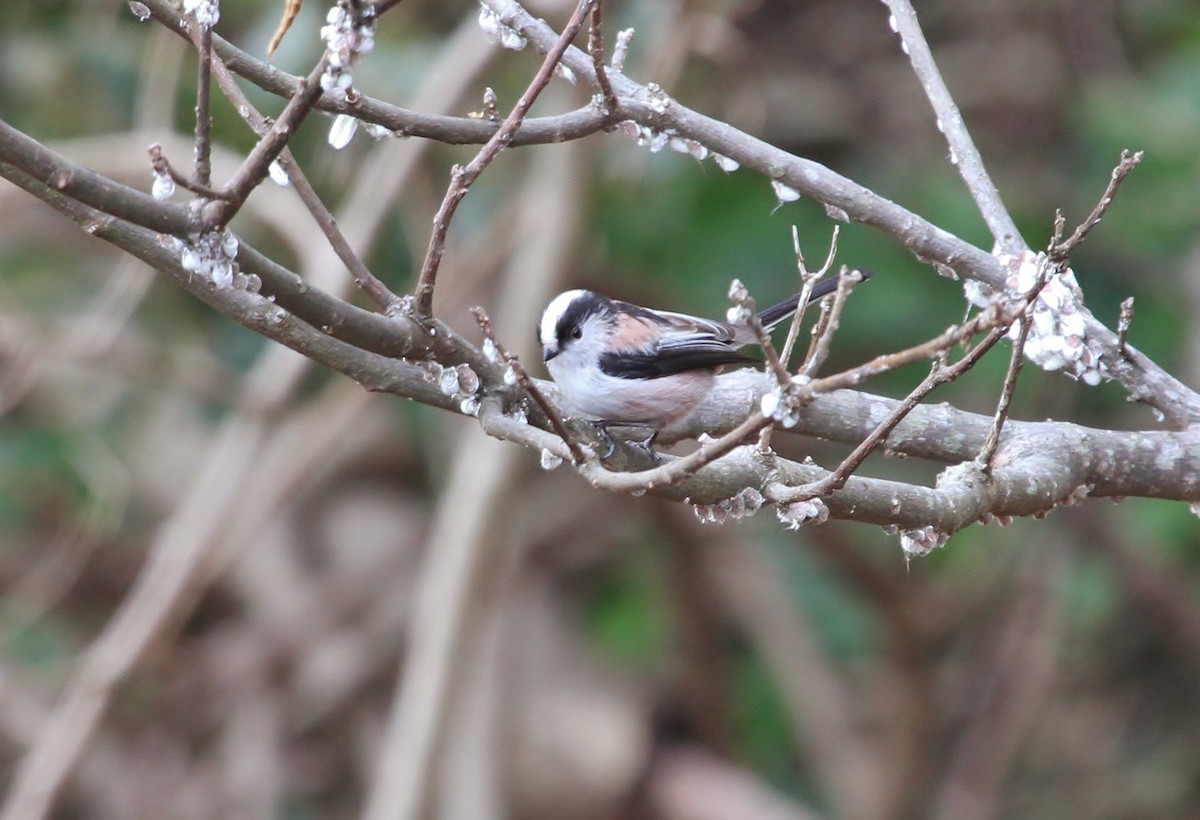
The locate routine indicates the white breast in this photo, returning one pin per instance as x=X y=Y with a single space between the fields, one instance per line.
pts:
x=660 y=401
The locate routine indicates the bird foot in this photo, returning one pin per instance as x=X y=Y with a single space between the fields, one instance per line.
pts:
x=611 y=443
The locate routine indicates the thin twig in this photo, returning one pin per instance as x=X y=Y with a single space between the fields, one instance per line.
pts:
x=203 y=115
x=1061 y=250
x=1124 y=322
x=461 y=178
x=940 y=374
x=809 y=280
x=596 y=50
x=161 y=165
x=817 y=332
x=1025 y=320
x=676 y=470
x=1010 y=385
x=383 y=297
x=995 y=320
x=742 y=298
x=380 y=294
x=963 y=152
x=290 y=9
x=257 y=164
x=578 y=456
x=821 y=343
x=995 y=316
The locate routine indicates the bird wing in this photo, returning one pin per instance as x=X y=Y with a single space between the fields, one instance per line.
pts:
x=677 y=352
x=687 y=324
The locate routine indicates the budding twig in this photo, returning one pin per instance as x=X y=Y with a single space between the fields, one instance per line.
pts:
x=1061 y=250
x=940 y=374
x=819 y=350
x=808 y=279
x=596 y=50
x=162 y=165
x=1124 y=322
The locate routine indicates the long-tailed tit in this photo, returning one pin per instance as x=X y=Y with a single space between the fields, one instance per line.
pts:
x=628 y=365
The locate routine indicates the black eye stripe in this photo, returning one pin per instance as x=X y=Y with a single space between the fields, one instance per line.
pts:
x=570 y=324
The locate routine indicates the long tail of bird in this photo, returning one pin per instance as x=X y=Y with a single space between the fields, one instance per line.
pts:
x=777 y=313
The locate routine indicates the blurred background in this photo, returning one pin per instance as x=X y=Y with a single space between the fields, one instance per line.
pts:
x=591 y=655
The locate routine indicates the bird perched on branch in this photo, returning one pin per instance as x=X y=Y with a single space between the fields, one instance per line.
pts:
x=626 y=365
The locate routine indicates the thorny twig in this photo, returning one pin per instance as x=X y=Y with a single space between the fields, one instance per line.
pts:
x=1062 y=249
x=462 y=178
x=578 y=456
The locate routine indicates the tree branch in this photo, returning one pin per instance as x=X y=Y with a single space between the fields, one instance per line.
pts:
x=963 y=153
x=461 y=179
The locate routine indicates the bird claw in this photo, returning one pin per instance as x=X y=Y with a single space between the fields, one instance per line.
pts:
x=611 y=443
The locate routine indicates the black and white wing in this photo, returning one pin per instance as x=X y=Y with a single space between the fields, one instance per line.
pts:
x=683 y=343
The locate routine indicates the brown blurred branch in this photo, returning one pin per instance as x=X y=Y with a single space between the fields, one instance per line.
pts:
x=691 y=783
x=159 y=596
x=1015 y=681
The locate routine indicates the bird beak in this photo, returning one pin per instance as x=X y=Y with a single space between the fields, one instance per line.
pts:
x=549 y=353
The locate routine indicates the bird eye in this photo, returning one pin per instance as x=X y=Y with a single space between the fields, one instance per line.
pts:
x=577 y=332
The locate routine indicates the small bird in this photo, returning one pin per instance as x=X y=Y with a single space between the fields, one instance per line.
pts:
x=626 y=365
